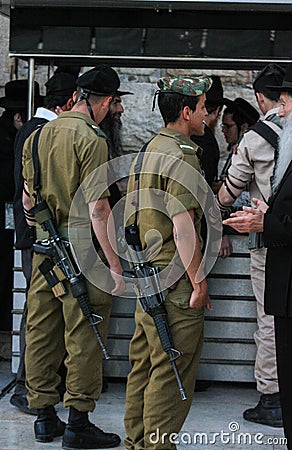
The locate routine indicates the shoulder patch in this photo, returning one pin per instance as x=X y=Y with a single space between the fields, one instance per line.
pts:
x=97 y=130
x=187 y=149
x=186 y=146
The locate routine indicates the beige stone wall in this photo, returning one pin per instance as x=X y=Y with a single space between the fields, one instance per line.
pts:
x=4 y=45
x=139 y=121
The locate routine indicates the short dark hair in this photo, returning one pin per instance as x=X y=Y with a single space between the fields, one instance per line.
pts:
x=171 y=105
x=271 y=95
x=211 y=107
x=51 y=101
x=94 y=99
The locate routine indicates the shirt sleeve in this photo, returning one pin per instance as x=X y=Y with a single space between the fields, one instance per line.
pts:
x=242 y=165
x=94 y=170
x=182 y=195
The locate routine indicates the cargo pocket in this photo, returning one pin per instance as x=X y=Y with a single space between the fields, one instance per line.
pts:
x=180 y=296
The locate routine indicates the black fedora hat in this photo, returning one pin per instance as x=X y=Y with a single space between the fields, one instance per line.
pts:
x=16 y=95
x=272 y=73
x=214 y=96
x=286 y=85
x=244 y=108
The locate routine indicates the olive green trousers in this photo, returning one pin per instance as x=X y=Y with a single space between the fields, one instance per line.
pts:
x=56 y=326
x=154 y=408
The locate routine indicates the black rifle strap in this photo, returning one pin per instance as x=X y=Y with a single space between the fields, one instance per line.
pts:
x=36 y=165
x=266 y=132
x=271 y=137
x=137 y=172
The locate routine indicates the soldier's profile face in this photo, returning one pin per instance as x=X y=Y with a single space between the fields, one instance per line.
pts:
x=198 y=116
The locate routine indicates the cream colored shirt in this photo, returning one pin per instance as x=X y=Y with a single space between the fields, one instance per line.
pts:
x=254 y=160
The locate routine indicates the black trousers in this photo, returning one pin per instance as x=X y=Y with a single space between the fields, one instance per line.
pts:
x=283 y=335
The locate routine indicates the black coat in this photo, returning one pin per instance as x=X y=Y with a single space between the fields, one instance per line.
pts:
x=210 y=156
x=7 y=137
x=24 y=239
x=278 y=240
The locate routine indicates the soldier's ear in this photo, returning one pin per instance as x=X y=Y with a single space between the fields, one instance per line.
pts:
x=74 y=96
x=186 y=112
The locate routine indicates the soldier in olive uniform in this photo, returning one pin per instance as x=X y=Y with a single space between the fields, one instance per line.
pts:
x=70 y=148
x=154 y=408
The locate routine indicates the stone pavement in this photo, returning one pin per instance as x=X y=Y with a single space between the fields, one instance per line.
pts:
x=215 y=421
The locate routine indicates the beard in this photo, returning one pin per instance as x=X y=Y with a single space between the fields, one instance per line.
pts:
x=285 y=152
x=112 y=128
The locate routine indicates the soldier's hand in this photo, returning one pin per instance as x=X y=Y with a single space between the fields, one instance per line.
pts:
x=200 y=296
x=120 y=285
x=226 y=247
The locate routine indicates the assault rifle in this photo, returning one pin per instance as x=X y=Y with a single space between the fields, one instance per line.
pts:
x=61 y=254
x=151 y=297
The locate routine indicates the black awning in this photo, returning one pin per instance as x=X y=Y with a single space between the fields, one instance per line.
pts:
x=153 y=34
x=158 y=4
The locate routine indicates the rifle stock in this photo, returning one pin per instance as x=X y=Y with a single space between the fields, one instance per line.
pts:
x=62 y=254
x=151 y=298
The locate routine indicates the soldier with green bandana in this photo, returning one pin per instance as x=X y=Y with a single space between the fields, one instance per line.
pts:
x=154 y=408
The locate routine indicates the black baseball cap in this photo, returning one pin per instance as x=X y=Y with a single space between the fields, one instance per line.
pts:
x=101 y=80
x=61 y=84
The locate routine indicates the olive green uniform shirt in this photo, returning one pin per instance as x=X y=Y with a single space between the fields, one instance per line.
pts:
x=68 y=153
x=163 y=193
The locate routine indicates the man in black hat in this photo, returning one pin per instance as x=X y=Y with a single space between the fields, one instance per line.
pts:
x=59 y=93
x=211 y=153
x=208 y=142
x=15 y=104
x=253 y=164
x=238 y=115
x=274 y=221
x=70 y=149
x=111 y=125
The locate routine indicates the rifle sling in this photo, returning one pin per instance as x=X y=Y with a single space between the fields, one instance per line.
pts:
x=36 y=164
x=137 y=172
x=266 y=132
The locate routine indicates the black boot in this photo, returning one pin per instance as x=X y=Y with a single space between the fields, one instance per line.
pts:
x=81 y=434
x=48 y=425
x=20 y=402
x=267 y=411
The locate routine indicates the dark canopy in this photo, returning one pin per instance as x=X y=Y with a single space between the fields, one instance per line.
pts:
x=201 y=34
